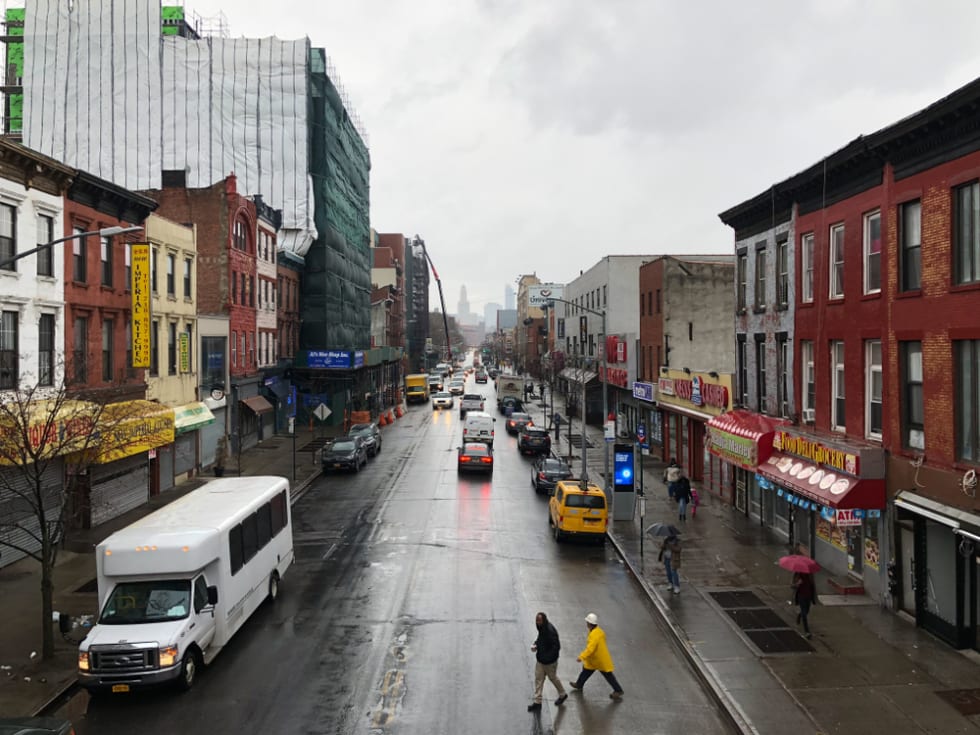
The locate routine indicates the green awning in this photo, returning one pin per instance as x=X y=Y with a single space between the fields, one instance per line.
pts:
x=191 y=417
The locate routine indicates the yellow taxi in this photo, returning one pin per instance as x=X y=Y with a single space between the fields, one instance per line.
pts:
x=577 y=511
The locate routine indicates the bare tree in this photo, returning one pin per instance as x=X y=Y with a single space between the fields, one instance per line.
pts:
x=49 y=439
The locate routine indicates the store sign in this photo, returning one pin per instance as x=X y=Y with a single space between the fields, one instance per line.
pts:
x=643 y=391
x=328 y=359
x=665 y=386
x=737 y=449
x=184 y=352
x=708 y=394
x=846 y=518
x=614 y=376
x=615 y=349
x=543 y=294
x=139 y=257
x=359 y=358
x=816 y=452
x=132 y=427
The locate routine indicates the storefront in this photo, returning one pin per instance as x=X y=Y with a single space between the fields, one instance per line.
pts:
x=742 y=439
x=211 y=434
x=688 y=401
x=189 y=419
x=131 y=433
x=649 y=415
x=827 y=496
x=573 y=379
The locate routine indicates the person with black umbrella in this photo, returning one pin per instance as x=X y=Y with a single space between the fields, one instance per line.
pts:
x=670 y=555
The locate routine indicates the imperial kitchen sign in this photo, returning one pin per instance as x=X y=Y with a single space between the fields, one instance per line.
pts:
x=541 y=294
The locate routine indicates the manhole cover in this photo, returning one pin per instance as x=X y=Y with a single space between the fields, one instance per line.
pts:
x=964 y=701
x=737 y=598
x=91 y=586
x=756 y=618
x=778 y=641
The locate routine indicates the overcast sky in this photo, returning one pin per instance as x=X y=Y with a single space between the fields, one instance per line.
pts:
x=520 y=136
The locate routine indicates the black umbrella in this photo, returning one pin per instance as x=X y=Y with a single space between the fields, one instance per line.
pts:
x=663 y=529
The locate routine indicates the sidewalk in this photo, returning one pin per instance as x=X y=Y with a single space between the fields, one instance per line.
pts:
x=869 y=670
x=28 y=685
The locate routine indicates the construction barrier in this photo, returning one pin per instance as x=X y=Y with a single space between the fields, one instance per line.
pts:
x=382 y=421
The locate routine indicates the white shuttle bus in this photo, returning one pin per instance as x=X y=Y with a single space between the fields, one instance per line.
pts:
x=175 y=586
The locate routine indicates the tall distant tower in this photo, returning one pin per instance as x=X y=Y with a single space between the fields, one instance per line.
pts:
x=510 y=299
x=463 y=309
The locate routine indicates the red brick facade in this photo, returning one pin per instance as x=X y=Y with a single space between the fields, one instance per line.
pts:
x=287 y=309
x=651 y=321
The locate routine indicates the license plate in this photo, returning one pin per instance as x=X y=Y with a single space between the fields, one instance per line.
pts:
x=119 y=688
x=591 y=520
x=337 y=465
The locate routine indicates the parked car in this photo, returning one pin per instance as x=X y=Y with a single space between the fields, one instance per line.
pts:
x=442 y=399
x=517 y=421
x=510 y=405
x=345 y=453
x=481 y=377
x=371 y=435
x=548 y=472
x=35 y=726
x=534 y=440
x=475 y=457
x=574 y=511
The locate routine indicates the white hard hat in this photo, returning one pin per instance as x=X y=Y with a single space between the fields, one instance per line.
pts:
x=592 y=619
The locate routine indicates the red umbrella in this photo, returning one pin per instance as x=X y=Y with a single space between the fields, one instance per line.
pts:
x=799 y=563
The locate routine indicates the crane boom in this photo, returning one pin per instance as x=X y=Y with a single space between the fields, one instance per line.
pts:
x=442 y=301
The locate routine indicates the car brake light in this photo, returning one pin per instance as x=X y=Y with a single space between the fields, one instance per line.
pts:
x=486 y=460
x=464 y=458
x=542 y=476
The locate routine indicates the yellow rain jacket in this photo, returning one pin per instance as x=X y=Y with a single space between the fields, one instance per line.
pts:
x=596 y=655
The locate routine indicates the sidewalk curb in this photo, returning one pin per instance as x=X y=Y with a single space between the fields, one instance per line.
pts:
x=301 y=488
x=61 y=693
x=728 y=705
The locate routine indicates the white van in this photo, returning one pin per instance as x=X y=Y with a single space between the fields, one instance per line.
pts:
x=478 y=427
x=175 y=586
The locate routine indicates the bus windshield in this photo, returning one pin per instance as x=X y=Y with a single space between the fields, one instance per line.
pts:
x=132 y=603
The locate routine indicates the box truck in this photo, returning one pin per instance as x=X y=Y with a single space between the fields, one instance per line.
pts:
x=417 y=388
x=175 y=586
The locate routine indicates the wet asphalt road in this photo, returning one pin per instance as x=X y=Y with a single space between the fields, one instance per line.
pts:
x=410 y=610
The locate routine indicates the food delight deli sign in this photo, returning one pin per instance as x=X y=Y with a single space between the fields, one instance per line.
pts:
x=696 y=391
x=816 y=452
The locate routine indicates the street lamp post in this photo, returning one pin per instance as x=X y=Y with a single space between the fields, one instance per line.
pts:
x=104 y=232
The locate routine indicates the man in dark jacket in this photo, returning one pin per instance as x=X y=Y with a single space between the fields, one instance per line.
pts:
x=546 y=648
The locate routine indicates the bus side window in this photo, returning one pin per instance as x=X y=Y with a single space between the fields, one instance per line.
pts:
x=200 y=594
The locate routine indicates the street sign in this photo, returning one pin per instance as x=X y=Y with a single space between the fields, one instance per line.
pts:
x=641 y=433
x=322 y=412
x=611 y=431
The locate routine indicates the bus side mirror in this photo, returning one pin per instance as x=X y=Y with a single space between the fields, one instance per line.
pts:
x=212 y=595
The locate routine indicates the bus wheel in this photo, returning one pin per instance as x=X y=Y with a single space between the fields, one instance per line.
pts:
x=188 y=669
x=274 y=586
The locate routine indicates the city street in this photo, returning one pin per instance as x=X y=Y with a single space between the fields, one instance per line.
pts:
x=411 y=607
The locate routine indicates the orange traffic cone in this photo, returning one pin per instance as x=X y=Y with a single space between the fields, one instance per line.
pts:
x=391 y=417
x=382 y=421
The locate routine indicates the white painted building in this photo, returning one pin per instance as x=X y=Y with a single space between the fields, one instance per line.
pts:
x=266 y=323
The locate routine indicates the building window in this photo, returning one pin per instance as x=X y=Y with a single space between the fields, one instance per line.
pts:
x=760 y=278
x=106 y=259
x=968 y=400
x=45 y=234
x=809 y=381
x=910 y=246
x=171 y=348
x=45 y=350
x=79 y=259
x=760 y=374
x=171 y=284
x=188 y=263
x=743 y=371
x=913 y=405
x=782 y=273
x=128 y=255
x=837 y=262
x=872 y=252
x=243 y=299
x=80 y=356
x=153 y=270
x=234 y=349
x=251 y=291
x=873 y=388
x=239 y=238
x=806 y=256
x=741 y=284
x=107 y=325
x=658 y=301
x=837 y=412
x=155 y=348
x=9 y=350
x=244 y=357
x=782 y=374
x=234 y=287
x=966 y=233
x=8 y=236
x=604 y=296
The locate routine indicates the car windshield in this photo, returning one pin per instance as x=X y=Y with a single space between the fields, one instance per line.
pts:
x=343 y=446
x=519 y=417
x=574 y=500
x=555 y=465
x=357 y=429
x=473 y=397
x=132 y=603
x=474 y=449
x=536 y=431
x=442 y=395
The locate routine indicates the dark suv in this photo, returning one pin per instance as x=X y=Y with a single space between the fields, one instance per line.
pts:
x=371 y=435
x=534 y=440
x=344 y=453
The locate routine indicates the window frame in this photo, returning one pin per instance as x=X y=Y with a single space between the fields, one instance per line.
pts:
x=45 y=255
x=761 y=388
x=959 y=278
x=80 y=348
x=907 y=250
x=46 y=328
x=8 y=242
x=108 y=336
x=836 y=248
x=838 y=386
x=105 y=260
x=806 y=258
x=868 y=253
x=907 y=349
x=9 y=349
x=782 y=375
x=741 y=280
x=808 y=378
x=171 y=275
x=171 y=347
x=188 y=265
x=782 y=273
x=761 y=256
x=871 y=370
x=79 y=256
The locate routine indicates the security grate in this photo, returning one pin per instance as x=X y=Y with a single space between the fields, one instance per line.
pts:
x=761 y=625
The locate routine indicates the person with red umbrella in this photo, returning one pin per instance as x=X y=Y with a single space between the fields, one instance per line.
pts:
x=805 y=590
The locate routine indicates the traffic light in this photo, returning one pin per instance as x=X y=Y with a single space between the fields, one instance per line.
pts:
x=623 y=467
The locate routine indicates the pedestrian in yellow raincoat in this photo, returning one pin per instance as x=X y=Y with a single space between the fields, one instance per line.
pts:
x=595 y=657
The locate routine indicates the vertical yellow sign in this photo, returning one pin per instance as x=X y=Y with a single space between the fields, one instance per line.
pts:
x=139 y=254
x=184 y=351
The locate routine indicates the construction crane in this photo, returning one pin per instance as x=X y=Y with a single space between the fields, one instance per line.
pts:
x=442 y=300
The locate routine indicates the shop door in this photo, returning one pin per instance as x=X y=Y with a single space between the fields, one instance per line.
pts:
x=855 y=550
x=165 y=461
x=908 y=571
x=118 y=487
x=19 y=521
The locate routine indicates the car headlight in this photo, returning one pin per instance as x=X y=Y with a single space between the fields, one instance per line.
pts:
x=83 y=661
x=168 y=656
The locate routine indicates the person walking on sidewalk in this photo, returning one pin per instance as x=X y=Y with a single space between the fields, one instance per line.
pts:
x=804 y=596
x=546 y=648
x=670 y=555
x=682 y=493
x=671 y=475
x=595 y=657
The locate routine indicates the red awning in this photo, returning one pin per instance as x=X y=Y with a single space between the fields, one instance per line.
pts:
x=742 y=437
x=825 y=486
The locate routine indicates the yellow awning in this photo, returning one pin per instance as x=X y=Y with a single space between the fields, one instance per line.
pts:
x=130 y=427
x=192 y=416
x=38 y=430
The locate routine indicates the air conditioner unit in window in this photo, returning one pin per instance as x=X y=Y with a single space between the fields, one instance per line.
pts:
x=808 y=415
